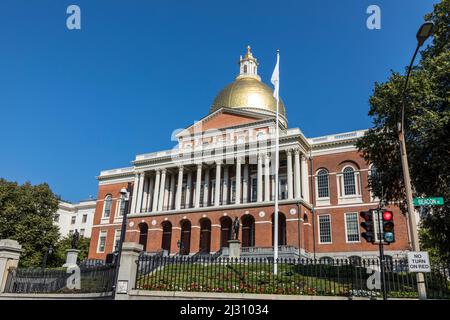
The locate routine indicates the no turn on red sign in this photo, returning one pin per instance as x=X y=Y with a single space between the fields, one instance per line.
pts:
x=419 y=262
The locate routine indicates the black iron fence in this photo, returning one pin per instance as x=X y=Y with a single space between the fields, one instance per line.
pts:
x=94 y=278
x=341 y=277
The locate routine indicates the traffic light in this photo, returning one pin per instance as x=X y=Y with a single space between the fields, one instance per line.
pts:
x=367 y=225
x=388 y=226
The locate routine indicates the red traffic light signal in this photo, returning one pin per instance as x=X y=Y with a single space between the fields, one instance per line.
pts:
x=388 y=226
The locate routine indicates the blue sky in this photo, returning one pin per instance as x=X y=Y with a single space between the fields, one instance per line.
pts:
x=74 y=102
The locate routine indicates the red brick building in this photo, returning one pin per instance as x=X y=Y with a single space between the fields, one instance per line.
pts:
x=223 y=167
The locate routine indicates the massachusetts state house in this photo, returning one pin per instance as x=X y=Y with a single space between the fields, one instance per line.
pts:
x=183 y=200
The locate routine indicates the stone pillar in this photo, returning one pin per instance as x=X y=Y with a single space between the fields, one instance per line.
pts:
x=237 y=198
x=9 y=258
x=135 y=191
x=156 y=190
x=259 y=180
x=289 y=174
x=172 y=191
x=140 y=192
x=150 y=192
x=266 y=178
x=145 y=196
x=162 y=189
x=217 y=188
x=234 y=248
x=198 y=183
x=297 y=174
x=305 y=179
x=187 y=199
x=179 y=188
x=71 y=257
x=245 y=184
x=206 y=188
x=225 y=185
x=126 y=279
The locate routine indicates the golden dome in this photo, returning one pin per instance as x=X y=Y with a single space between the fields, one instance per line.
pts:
x=248 y=93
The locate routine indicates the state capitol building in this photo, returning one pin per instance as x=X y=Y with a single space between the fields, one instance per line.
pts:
x=183 y=201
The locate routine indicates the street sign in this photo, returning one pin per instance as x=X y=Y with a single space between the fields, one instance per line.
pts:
x=428 y=201
x=418 y=262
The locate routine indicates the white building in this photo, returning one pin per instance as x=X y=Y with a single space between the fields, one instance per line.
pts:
x=71 y=216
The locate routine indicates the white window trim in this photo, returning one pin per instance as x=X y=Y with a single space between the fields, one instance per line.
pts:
x=106 y=219
x=346 y=227
x=321 y=201
x=115 y=238
x=353 y=198
x=105 y=232
x=117 y=217
x=331 y=228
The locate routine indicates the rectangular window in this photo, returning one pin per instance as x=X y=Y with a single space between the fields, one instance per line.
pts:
x=102 y=241
x=352 y=227
x=116 y=238
x=254 y=189
x=121 y=208
x=84 y=218
x=56 y=219
x=74 y=218
x=82 y=232
x=233 y=191
x=325 y=228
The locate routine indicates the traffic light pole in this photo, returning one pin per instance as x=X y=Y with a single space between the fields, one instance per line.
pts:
x=381 y=248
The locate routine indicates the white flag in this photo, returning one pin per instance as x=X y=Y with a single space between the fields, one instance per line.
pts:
x=276 y=78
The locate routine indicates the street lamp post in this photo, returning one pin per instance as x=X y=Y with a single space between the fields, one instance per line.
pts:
x=423 y=34
x=48 y=252
x=124 y=196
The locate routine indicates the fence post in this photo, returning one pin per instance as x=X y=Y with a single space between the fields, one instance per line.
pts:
x=126 y=280
x=9 y=258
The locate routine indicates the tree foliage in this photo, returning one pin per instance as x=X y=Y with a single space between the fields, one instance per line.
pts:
x=427 y=126
x=58 y=258
x=26 y=215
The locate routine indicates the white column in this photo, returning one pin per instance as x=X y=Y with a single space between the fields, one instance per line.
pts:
x=162 y=189
x=305 y=179
x=259 y=180
x=179 y=188
x=156 y=190
x=217 y=188
x=225 y=185
x=245 y=184
x=135 y=191
x=172 y=191
x=198 y=185
x=289 y=174
x=140 y=192
x=266 y=178
x=297 y=173
x=187 y=198
x=150 y=192
x=237 y=198
x=145 y=196
x=206 y=188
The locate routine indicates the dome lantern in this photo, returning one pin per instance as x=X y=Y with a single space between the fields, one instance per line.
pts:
x=248 y=92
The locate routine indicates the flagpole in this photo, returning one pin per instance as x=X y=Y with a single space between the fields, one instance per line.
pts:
x=275 y=242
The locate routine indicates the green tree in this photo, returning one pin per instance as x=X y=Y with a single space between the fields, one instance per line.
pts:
x=427 y=116
x=59 y=256
x=26 y=215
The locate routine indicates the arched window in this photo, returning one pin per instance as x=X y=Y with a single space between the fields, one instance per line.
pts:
x=245 y=68
x=107 y=206
x=322 y=184
x=349 y=181
x=326 y=260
